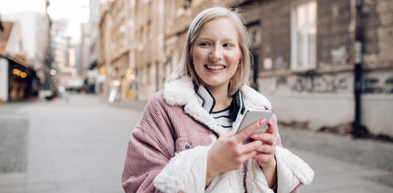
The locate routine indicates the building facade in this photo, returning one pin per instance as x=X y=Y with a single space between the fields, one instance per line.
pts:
x=116 y=59
x=149 y=47
x=35 y=32
x=104 y=59
x=85 y=39
x=308 y=62
x=18 y=79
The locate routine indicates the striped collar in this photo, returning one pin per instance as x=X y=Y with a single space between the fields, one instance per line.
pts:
x=207 y=101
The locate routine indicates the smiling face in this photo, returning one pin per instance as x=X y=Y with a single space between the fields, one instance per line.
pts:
x=216 y=53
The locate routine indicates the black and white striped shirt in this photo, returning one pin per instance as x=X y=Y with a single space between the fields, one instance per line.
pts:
x=223 y=118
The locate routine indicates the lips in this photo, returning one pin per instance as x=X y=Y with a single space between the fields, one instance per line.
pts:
x=215 y=67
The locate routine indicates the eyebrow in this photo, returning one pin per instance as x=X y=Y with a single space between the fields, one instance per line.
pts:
x=226 y=39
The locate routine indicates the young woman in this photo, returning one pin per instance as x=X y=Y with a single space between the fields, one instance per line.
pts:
x=186 y=141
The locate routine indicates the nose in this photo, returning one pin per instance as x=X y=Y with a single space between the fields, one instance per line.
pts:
x=216 y=54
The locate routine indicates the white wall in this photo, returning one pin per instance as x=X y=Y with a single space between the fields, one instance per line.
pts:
x=34 y=28
x=27 y=21
x=377 y=102
x=320 y=99
x=3 y=79
x=328 y=99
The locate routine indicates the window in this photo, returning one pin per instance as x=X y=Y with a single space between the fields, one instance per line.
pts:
x=303 y=36
x=254 y=32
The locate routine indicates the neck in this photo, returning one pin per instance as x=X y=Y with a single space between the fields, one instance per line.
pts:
x=223 y=100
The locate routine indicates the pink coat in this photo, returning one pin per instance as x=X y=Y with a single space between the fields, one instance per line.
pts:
x=168 y=147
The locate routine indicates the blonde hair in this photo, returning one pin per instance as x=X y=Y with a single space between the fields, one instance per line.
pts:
x=185 y=67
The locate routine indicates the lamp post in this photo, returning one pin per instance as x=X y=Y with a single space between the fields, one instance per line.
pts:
x=358 y=69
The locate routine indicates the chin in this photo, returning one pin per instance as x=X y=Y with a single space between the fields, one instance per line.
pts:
x=214 y=84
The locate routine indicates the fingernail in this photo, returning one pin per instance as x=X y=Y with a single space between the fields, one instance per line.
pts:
x=262 y=121
x=270 y=124
x=254 y=136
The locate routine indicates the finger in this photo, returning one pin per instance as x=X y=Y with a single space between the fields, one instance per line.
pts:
x=264 y=158
x=266 y=149
x=270 y=128
x=249 y=147
x=266 y=138
x=249 y=155
x=249 y=130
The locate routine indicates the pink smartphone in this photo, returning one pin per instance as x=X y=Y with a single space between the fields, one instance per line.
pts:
x=251 y=116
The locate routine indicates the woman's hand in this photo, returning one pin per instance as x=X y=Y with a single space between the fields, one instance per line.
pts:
x=228 y=152
x=266 y=152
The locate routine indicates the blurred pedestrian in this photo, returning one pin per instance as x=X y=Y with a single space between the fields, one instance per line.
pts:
x=175 y=148
x=66 y=95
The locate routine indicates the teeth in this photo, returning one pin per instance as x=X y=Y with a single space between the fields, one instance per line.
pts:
x=215 y=67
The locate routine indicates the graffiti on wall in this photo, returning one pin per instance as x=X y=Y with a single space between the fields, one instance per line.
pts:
x=376 y=85
x=339 y=55
x=313 y=82
x=280 y=63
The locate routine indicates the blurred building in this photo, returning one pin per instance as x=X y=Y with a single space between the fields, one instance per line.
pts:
x=85 y=53
x=307 y=56
x=18 y=79
x=67 y=57
x=116 y=51
x=104 y=60
x=149 y=47
x=59 y=43
x=35 y=32
x=92 y=79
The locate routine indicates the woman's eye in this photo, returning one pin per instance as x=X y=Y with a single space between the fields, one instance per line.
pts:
x=227 y=45
x=204 y=44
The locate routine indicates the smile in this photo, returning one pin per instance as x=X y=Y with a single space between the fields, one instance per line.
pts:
x=215 y=67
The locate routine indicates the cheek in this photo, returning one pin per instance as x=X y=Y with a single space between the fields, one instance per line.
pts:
x=233 y=58
x=198 y=55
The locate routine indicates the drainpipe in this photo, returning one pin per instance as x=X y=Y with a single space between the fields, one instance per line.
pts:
x=358 y=69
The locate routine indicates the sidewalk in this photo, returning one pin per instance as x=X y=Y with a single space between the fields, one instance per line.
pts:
x=341 y=164
x=80 y=146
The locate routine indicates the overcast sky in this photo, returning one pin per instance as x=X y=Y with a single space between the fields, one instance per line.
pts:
x=75 y=10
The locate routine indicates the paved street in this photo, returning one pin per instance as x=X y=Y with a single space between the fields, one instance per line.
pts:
x=79 y=146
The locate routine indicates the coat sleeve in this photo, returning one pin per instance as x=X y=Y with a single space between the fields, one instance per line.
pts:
x=150 y=148
x=151 y=162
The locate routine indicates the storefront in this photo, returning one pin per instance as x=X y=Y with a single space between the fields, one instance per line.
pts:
x=19 y=83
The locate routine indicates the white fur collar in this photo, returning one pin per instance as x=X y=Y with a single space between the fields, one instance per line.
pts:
x=181 y=92
x=178 y=92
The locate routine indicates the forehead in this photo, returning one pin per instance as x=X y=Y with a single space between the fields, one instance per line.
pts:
x=219 y=28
